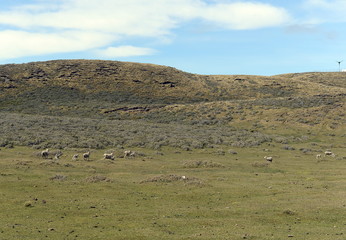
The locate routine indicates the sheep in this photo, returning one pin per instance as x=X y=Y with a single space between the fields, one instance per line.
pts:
x=318 y=156
x=75 y=157
x=45 y=153
x=57 y=155
x=108 y=156
x=269 y=159
x=129 y=153
x=329 y=153
x=86 y=155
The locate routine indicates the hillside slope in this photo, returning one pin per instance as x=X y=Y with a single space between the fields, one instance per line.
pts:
x=148 y=82
x=124 y=90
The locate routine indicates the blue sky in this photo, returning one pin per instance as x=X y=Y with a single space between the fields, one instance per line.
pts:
x=258 y=37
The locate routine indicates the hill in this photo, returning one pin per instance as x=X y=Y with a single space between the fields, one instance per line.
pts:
x=147 y=83
x=122 y=91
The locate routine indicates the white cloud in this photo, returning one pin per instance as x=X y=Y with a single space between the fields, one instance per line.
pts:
x=246 y=15
x=143 y=17
x=15 y=44
x=124 y=51
x=107 y=21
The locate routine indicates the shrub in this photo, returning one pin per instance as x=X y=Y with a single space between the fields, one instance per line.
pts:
x=286 y=147
x=42 y=132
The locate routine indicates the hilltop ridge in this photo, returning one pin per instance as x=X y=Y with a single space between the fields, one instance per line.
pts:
x=160 y=83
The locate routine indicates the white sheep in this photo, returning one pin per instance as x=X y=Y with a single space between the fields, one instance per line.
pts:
x=108 y=156
x=269 y=159
x=75 y=157
x=57 y=156
x=329 y=153
x=45 y=153
x=318 y=156
x=86 y=155
x=129 y=153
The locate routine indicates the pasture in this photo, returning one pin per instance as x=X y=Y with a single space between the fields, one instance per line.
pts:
x=170 y=193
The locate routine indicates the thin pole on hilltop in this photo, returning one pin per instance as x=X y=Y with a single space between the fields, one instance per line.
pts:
x=339 y=62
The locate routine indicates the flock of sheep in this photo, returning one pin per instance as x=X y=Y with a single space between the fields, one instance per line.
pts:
x=318 y=156
x=326 y=153
x=86 y=156
x=45 y=154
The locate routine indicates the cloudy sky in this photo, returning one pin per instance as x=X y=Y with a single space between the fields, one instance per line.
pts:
x=263 y=37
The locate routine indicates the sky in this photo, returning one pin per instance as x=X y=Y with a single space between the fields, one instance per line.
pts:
x=255 y=37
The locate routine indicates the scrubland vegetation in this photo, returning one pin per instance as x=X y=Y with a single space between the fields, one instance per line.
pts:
x=199 y=169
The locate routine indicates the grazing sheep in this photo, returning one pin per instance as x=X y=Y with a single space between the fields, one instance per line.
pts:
x=129 y=153
x=75 y=157
x=86 y=155
x=45 y=153
x=329 y=153
x=57 y=156
x=108 y=156
x=269 y=159
x=318 y=156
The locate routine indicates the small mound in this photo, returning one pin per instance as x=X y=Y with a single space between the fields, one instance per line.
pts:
x=260 y=164
x=97 y=178
x=49 y=163
x=206 y=164
x=58 y=177
x=23 y=163
x=164 y=178
x=174 y=178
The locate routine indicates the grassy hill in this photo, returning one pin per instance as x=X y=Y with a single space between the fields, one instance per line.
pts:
x=100 y=91
x=147 y=83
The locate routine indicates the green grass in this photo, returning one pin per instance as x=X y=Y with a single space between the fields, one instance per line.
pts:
x=296 y=195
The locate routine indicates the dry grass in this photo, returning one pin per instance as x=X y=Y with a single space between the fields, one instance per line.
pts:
x=260 y=164
x=97 y=178
x=164 y=178
x=58 y=177
x=174 y=178
x=203 y=164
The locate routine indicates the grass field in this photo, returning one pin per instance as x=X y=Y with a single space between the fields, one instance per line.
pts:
x=174 y=194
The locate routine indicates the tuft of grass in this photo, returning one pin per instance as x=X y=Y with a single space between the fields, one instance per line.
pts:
x=260 y=164
x=97 y=178
x=164 y=178
x=58 y=177
x=289 y=212
x=202 y=164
